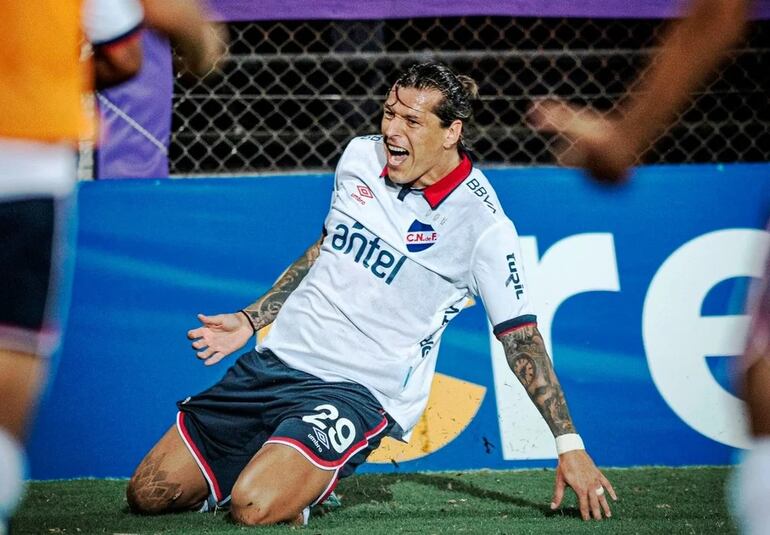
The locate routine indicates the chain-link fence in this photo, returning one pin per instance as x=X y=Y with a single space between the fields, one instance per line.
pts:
x=296 y=92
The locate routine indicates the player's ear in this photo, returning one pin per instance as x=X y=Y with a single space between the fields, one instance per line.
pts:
x=453 y=133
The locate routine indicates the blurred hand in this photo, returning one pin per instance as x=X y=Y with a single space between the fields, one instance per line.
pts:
x=212 y=51
x=219 y=336
x=200 y=44
x=578 y=471
x=588 y=140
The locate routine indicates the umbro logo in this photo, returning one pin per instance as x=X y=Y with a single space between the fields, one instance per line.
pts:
x=321 y=436
x=363 y=194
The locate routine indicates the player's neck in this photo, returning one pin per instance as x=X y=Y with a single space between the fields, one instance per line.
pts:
x=447 y=164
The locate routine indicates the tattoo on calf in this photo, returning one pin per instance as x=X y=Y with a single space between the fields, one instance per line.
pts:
x=150 y=491
x=264 y=311
x=525 y=351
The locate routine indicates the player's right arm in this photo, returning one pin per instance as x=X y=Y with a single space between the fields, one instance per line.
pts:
x=221 y=335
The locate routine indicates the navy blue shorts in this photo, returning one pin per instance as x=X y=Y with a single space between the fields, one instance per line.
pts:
x=260 y=401
x=28 y=229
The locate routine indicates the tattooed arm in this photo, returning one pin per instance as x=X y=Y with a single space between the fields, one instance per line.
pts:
x=223 y=334
x=527 y=357
x=263 y=311
x=525 y=351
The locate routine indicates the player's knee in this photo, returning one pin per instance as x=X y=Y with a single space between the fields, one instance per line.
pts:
x=144 y=499
x=139 y=500
x=251 y=507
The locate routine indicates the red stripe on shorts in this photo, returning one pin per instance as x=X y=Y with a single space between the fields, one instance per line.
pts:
x=207 y=471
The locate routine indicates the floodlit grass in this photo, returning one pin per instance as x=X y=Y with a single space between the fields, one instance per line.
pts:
x=652 y=500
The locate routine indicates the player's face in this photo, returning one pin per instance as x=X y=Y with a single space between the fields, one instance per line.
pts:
x=417 y=147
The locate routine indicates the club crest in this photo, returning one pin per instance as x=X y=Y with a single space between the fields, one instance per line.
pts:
x=420 y=236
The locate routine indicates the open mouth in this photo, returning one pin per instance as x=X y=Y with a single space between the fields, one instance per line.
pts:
x=396 y=154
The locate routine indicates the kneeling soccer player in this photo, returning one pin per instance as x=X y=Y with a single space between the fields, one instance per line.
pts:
x=414 y=229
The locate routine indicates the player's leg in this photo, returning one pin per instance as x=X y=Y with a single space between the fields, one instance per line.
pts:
x=757 y=395
x=28 y=329
x=328 y=430
x=752 y=478
x=276 y=486
x=197 y=462
x=168 y=479
x=751 y=481
x=20 y=381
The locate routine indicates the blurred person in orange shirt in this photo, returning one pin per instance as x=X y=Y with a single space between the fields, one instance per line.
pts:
x=42 y=82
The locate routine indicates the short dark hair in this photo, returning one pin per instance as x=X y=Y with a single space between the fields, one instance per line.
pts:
x=458 y=91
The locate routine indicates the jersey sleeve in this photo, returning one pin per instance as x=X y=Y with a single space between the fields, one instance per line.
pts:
x=338 y=173
x=106 y=22
x=497 y=276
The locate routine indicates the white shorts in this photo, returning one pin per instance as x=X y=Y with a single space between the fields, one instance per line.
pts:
x=34 y=168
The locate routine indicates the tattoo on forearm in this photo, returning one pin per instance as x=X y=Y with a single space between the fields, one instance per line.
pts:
x=525 y=351
x=266 y=308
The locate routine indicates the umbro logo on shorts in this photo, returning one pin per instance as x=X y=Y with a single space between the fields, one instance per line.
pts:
x=322 y=438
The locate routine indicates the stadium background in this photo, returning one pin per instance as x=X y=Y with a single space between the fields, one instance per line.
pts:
x=644 y=361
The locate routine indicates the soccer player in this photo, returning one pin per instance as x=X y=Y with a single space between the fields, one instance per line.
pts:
x=752 y=479
x=42 y=81
x=414 y=229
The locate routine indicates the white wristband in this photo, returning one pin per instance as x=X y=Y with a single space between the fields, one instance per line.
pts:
x=569 y=442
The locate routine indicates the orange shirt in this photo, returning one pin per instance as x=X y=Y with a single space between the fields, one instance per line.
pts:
x=41 y=76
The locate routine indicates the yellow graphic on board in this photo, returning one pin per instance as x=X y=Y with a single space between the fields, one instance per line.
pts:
x=452 y=404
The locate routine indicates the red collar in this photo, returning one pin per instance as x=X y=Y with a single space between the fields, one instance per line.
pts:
x=440 y=190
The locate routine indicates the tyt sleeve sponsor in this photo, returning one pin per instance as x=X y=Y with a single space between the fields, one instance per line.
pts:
x=109 y=21
x=498 y=278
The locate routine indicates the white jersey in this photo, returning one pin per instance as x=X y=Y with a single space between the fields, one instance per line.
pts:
x=396 y=265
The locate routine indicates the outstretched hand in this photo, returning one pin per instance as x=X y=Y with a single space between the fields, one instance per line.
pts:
x=587 y=139
x=578 y=471
x=219 y=336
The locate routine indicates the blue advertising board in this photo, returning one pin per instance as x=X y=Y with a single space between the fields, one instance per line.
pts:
x=640 y=293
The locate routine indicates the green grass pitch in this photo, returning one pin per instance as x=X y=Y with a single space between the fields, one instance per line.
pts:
x=651 y=500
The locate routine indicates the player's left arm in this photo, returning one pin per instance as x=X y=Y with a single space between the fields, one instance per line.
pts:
x=529 y=361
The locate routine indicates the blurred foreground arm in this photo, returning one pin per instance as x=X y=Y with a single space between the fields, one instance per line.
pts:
x=200 y=43
x=690 y=51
